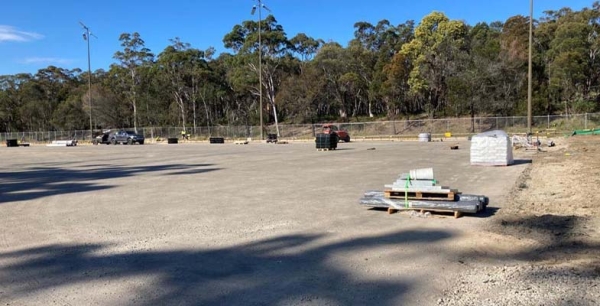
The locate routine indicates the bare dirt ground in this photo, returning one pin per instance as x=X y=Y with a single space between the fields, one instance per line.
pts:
x=553 y=225
x=200 y=224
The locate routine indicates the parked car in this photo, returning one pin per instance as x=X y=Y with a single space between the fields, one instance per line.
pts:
x=342 y=134
x=126 y=137
x=103 y=138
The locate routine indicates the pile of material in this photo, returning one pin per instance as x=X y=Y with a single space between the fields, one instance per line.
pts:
x=418 y=190
x=493 y=148
x=15 y=143
x=326 y=141
x=63 y=143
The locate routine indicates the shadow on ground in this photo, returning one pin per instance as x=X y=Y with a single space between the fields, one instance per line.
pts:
x=279 y=271
x=487 y=213
x=558 y=236
x=517 y=162
x=39 y=182
x=559 y=240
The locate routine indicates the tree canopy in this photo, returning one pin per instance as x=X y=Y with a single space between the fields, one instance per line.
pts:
x=435 y=67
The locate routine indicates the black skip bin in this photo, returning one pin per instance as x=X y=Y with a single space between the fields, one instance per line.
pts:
x=327 y=141
x=217 y=140
x=12 y=143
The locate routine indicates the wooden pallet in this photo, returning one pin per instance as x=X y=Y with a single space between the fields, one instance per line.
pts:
x=457 y=214
x=422 y=195
x=329 y=149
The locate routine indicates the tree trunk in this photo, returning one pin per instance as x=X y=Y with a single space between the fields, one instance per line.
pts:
x=472 y=116
x=134 y=100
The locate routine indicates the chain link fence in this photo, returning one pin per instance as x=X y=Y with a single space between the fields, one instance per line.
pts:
x=554 y=124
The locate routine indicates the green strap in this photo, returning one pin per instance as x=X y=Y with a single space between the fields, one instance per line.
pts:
x=406 y=190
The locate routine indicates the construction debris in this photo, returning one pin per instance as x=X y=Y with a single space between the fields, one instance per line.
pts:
x=423 y=194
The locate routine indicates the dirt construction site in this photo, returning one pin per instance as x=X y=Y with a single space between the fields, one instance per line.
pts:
x=265 y=224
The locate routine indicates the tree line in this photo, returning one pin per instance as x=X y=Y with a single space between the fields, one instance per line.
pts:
x=436 y=68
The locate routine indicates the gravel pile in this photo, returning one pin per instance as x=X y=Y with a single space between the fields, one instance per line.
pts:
x=526 y=285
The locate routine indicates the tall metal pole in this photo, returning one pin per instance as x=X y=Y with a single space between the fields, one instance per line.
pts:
x=530 y=72
x=90 y=83
x=87 y=38
x=260 y=68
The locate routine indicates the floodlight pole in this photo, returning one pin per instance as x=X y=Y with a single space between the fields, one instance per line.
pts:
x=87 y=38
x=260 y=67
x=530 y=70
x=260 y=89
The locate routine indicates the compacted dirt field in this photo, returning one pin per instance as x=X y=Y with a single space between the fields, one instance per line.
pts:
x=552 y=224
x=199 y=224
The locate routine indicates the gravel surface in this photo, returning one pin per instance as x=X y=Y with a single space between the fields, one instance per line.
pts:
x=525 y=284
x=553 y=223
x=264 y=224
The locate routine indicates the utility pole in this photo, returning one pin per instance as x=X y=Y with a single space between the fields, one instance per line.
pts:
x=260 y=89
x=86 y=37
x=530 y=72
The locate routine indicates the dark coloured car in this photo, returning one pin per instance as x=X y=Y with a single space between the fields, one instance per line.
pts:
x=126 y=137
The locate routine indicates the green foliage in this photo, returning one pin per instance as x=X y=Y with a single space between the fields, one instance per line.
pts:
x=436 y=67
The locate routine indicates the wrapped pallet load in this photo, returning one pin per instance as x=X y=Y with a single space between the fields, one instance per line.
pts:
x=492 y=148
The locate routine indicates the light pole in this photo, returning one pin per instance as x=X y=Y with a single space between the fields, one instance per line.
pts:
x=86 y=37
x=530 y=72
x=260 y=89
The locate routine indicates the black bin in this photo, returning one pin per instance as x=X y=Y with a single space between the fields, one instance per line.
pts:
x=271 y=138
x=217 y=140
x=12 y=143
x=172 y=140
x=327 y=141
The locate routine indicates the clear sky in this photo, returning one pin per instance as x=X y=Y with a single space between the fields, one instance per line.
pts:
x=38 y=33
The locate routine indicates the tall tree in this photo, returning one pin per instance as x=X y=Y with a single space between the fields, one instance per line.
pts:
x=133 y=56
x=438 y=41
x=273 y=45
x=181 y=67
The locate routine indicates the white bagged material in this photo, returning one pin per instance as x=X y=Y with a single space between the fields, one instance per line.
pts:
x=492 y=148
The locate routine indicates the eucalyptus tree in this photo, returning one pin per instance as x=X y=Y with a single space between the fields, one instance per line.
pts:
x=437 y=43
x=181 y=67
x=131 y=59
x=274 y=44
x=332 y=61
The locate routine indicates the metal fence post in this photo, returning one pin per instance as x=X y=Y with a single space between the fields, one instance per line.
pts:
x=585 y=121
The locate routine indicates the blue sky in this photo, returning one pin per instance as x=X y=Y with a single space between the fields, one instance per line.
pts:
x=38 y=33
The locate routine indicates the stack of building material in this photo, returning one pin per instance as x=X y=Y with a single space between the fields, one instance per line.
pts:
x=493 y=148
x=63 y=143
x=418 y=190
x=327 y=141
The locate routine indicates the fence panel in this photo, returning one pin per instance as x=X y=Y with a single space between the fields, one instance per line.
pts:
x=558 y=124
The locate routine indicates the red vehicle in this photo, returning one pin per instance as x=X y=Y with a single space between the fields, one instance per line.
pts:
x=342 y=134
